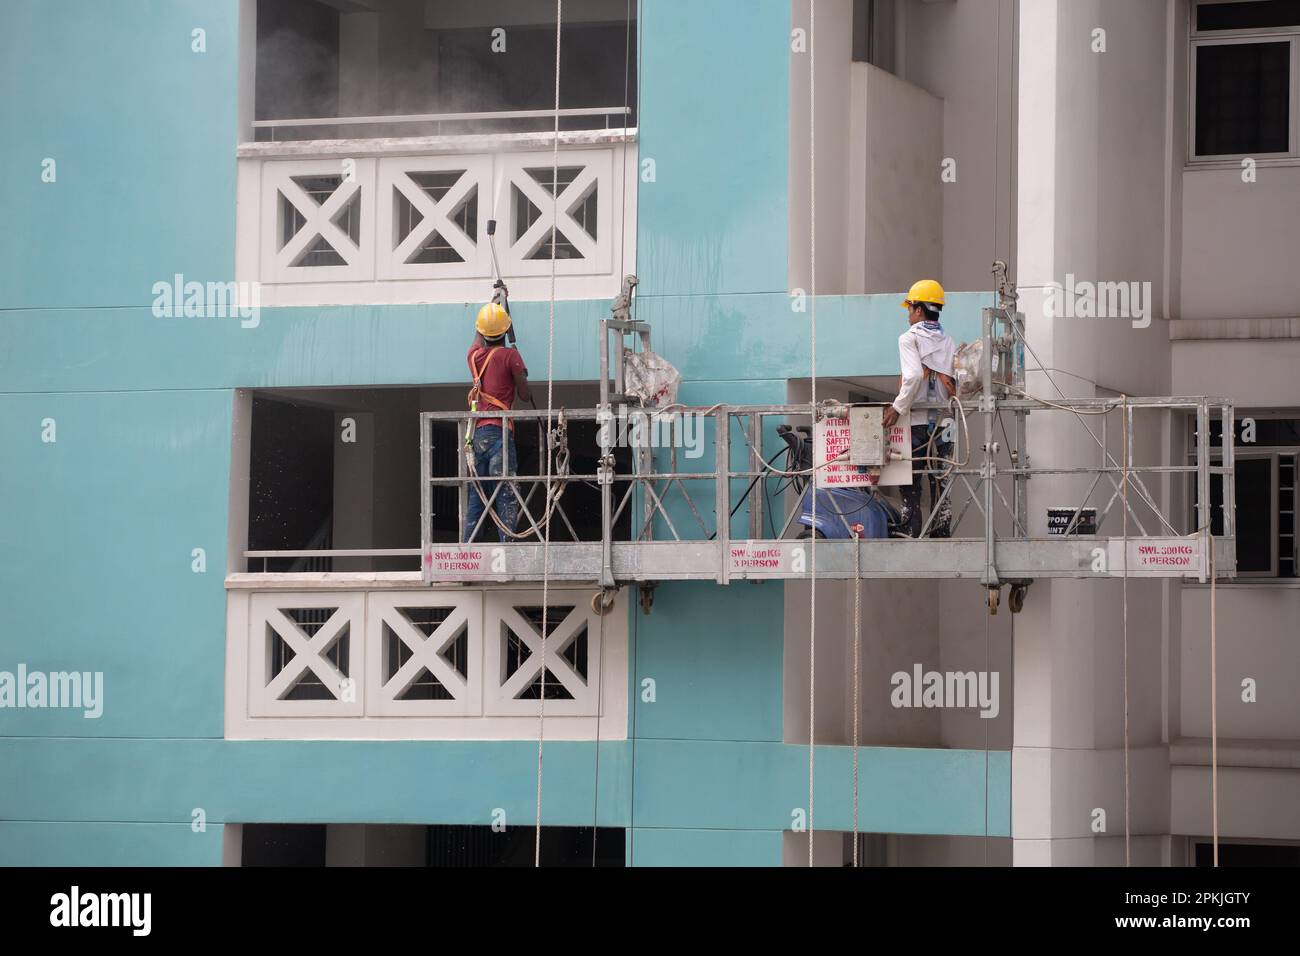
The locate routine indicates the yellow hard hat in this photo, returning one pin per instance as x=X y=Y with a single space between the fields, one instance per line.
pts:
x=493 y=321
x=926 y=290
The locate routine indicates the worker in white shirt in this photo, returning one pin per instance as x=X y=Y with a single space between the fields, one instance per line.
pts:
x=925 y=353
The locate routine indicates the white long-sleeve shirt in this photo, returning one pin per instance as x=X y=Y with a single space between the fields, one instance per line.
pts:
x=920 y=349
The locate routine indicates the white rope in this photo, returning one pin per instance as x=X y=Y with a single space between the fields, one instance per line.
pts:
x=857 y=645
x=1214 y=699
x=1127 y=424
x=812 y=290
x=550 y=392
x=602 y=609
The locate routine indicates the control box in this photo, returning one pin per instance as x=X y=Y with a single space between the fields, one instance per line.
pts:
x=867 y=446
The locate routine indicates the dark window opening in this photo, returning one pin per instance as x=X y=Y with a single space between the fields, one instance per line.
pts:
x=283 y=844
x=561 y=846
x=316 y=60
x=1248 y=854
x=291 y=482
x=1257 y=15
x=297 y=60
x=1243 y=98
x=1265 y=475
x=298 y=844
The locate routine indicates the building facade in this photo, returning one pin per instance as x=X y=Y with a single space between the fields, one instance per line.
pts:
x=247 y=243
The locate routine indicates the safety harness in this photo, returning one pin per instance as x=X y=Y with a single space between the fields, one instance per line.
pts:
x=476 y=390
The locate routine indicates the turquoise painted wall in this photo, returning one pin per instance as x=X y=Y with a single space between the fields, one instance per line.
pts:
x=98 y=527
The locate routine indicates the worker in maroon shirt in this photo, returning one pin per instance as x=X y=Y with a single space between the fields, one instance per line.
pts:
x=499 y=375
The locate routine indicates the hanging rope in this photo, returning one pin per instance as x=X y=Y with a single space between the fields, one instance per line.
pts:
x=812 y=294
x=1128 y=424
x=550 y=393
x=1214 y=698
x=857 y=645
x=602 y=608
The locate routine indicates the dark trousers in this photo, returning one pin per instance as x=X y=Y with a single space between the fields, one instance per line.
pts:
x=941 y=526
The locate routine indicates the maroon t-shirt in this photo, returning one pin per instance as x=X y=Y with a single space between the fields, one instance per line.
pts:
x=499 y=379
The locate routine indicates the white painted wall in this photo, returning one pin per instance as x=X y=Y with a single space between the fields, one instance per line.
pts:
x=1239 y=243
x=1257 y=639
x=1252 y=374
x=895 y=207
x=964 y=53
x=882 y=210
x=1087 y=208
x=834 y=40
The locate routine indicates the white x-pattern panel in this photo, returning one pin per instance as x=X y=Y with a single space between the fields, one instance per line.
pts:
x=595 y=173
x=282 y=181
x=269 y=619
x=502 y=619
x=384 y=694
x=436 y=216
x=363 y=682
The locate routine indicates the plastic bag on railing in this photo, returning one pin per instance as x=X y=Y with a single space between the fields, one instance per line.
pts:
x=650 y=378
x=968 y=368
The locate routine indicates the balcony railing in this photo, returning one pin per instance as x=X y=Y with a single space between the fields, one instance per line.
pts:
x=357 y=221
x=392 y=662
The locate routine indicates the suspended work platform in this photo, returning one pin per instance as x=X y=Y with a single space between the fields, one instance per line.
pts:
x=1121 y=515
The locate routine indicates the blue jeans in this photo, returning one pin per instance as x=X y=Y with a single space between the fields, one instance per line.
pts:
x=488 y=461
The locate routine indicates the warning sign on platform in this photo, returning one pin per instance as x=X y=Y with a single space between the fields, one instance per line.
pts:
x=832 y=437
x=454 y=561
x=756 y=556
x=1158 y=557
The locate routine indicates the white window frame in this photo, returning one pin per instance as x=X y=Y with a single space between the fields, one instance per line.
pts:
x=1203 y=38
x=1273 y=453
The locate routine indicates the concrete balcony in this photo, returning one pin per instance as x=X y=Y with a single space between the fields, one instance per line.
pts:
x=389 y=660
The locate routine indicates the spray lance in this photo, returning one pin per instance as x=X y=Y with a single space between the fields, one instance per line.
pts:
x=500 y=294
x=501 y=297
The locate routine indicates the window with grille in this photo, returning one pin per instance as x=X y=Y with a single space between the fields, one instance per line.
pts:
x=1265 y=475
x=1245 y=64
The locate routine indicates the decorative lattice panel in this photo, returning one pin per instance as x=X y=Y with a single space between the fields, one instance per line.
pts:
x=318 y=220
x=305 y=655
x=515 y=678
x=432 y=217
x=424 y=654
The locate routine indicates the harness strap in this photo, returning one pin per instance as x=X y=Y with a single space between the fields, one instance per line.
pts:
x=476 y=390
